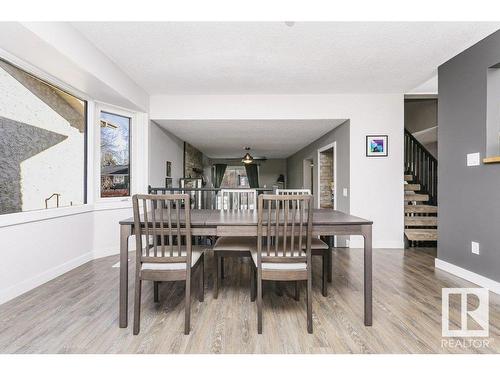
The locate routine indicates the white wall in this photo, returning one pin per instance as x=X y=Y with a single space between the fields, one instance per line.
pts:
x=36 y=252
x=376 y=183
x=164 y=146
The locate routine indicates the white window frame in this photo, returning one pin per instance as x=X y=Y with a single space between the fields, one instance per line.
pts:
x=23 y=217
x=113 y=201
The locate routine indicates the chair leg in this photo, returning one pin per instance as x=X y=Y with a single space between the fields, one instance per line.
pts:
x=324 y=276
x=137 y=306
x=309 y=305
x=222 y=267
x=297 y=291
x=155 y=291
x=187 y=307
x=201 y=291
x=252 y=283
x=259 y=301
x=217 y=275
x=330 y=265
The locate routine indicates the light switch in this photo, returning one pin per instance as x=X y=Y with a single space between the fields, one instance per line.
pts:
x=344 y=192
x=474 y=247
x=473 y=159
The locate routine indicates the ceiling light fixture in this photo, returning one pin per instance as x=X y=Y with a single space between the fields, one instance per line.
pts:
x=247 y=159
x=289 y=23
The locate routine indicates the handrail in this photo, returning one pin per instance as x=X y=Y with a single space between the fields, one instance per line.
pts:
x=422 y=165
x=57 y=195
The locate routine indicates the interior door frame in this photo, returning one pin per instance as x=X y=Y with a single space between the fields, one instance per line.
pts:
x=318 y=177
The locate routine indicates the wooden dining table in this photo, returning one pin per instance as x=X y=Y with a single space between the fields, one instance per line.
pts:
x=206 y=222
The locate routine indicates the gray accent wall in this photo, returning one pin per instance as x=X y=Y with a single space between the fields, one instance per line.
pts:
x=295 y=163
x=469 y=197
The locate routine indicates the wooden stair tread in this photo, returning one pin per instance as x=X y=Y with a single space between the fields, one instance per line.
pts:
x=420 y=208
x=416 y=197
x=408 y=177
x=427 y=221
x=421 y=234
x=412 y=187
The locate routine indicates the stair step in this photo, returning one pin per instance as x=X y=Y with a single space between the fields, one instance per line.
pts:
x=420 y=209
x=416 y=197
x=421 y=234
x=421 y=221
x=408 y=177
x=412 y=187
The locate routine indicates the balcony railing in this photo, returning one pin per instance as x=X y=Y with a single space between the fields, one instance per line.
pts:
x=201 y=198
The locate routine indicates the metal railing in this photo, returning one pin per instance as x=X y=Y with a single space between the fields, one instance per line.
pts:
x=422 y=165
x=201 y=198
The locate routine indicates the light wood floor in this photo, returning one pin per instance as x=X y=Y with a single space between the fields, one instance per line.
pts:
x=77 y=312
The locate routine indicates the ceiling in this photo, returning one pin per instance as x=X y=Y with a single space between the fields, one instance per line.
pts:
x=266 y=138
x=273 y=58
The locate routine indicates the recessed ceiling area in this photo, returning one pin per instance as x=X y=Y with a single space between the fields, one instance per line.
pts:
x=266 y=138
x=273 y=58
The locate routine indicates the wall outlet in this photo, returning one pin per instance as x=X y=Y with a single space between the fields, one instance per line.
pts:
x=344 y=192
x=473 y=159
x=474 y=247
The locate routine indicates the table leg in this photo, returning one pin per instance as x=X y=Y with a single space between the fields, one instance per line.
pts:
x=367 y=234
x=125 y=233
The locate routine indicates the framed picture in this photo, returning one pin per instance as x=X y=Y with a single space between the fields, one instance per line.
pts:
x=169 y=169
x=377 y=145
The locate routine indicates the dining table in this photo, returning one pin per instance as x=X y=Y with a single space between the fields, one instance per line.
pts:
x=211 y=222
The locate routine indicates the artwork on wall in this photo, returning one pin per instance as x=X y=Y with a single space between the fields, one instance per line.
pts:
x=376 y=145
x=169 y=169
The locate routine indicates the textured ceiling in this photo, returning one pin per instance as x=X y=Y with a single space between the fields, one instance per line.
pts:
x=273 y=58
x=267 y=138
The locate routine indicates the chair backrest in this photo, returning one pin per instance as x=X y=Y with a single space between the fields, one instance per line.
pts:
x=293 y=191
x=238 y=199
x=284 y=226
x=165 y=222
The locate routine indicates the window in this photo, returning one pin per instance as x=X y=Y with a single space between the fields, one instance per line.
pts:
x=115 y=155
x=42 y=144
x=235 y=177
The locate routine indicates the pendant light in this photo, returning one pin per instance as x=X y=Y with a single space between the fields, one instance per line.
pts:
x=247 y=159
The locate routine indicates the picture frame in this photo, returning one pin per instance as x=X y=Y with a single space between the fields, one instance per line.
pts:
x=168 y=169
x=377 y=146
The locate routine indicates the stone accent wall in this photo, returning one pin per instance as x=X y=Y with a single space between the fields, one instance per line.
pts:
x=193 y=161
x=326 y=178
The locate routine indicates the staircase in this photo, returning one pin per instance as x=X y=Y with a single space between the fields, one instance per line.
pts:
x=420 y=194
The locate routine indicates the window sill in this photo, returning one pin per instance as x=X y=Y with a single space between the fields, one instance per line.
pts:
x=20 y=218
x=491 y=160
x=113 y=203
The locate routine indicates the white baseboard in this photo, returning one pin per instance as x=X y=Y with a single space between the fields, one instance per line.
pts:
x=492 y=285
x=26 y=285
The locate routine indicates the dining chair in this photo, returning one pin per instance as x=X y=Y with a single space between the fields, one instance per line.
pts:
x=164 y=249
x=233 y=246
x=283 y=249
x=318 y=246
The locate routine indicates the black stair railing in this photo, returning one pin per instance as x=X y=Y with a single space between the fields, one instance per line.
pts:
x=422 y=165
